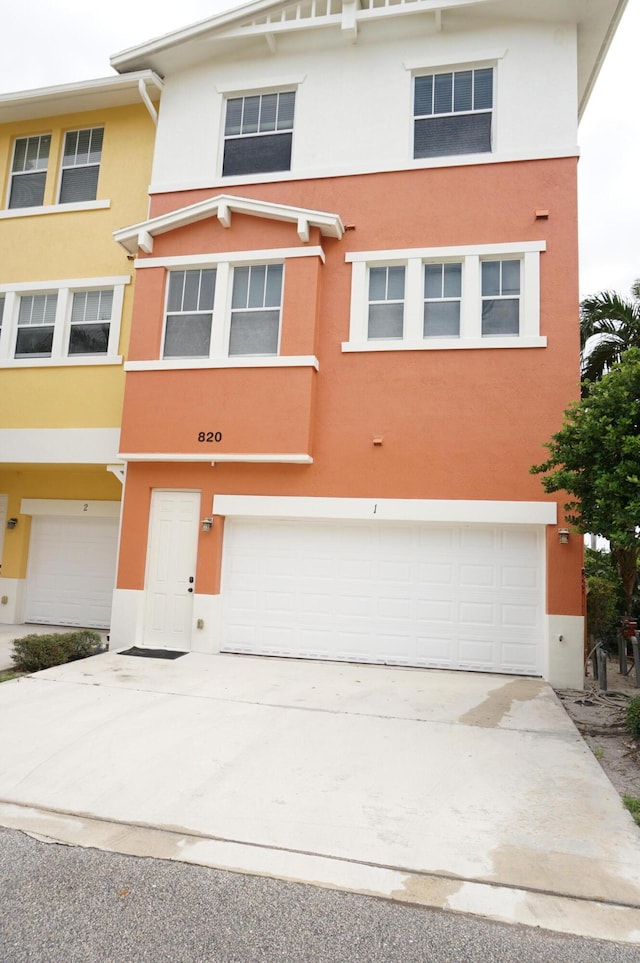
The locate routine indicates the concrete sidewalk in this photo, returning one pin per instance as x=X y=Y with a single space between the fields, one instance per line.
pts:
x=464 y=791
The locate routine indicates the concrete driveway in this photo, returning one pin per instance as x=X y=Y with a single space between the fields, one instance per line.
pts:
x=469 y=792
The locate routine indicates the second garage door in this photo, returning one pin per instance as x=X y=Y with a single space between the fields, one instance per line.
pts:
x=447 y=596
x=72 y=570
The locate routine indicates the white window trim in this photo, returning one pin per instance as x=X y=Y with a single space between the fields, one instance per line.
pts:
x=55 y=209
x=44 y=170
x=62 y=168
x=471 y=303
x=229 y=93
x=218 y=356
x=64 y=289
x=473 y=63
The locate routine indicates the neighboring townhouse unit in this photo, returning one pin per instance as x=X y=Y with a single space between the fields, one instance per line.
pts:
x=75 y=163
x=355 y=324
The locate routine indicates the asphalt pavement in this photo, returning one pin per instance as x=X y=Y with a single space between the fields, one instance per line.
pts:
x=63 y=904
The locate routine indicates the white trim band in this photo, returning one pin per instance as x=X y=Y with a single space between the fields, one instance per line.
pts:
x=212 y=459
x=388 y=509
x=268 y=256
x=193 y=364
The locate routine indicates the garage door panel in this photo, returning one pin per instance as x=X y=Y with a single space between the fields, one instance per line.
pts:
x=71 y=572
x=443 y=595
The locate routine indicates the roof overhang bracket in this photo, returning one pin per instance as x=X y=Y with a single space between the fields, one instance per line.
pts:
x=349 y=22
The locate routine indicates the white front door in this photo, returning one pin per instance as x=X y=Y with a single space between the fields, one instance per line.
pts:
x=171 y=569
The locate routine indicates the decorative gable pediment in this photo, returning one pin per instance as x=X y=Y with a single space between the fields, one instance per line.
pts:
x=223 y=206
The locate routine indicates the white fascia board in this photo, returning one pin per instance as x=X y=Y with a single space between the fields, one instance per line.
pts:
x=93 y=508
x=84 y=95
x=249 y=458
x=388 y=509
x=56 y=284
x=59 y=446
x=330 y=225
x=195 y=364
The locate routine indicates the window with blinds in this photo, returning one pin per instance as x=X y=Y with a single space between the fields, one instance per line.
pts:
x=81 y=165
x=258 y=133
x=36 y=321
x=29 y=171
x=90 y=322
x=453 y=113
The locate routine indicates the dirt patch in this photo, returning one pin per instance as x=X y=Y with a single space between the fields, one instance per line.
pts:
x=600 y=719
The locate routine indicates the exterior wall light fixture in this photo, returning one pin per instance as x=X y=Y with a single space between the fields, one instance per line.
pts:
x=563 y=535
x=12 y=522
x=206 y=524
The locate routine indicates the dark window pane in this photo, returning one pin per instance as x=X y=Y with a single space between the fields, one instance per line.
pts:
x=268 y=111
x=443 y=94
x=176 y=287
x=240 y=287
x=70 y=145
x=257 y=155
x=20 y=155
x=84 y=137
x=273 y=293
x=395 y=284
x=483 y=89
x=423 y=96
x=187 y=336
x=233 y=122
x=95 y=150
x=34 y=342
x=79 y=184
x=385 y=321
x=254 y=332
x=207 y=289
x=442 y=319
x=190 y=299
x=462 y=90
x=433 y=280
x=377 y=284
x=89 y=339
x=511 y=277
x=286 y=107
x=452 y=280
x=257 y=275
x=458 y=134
x=27 y=190
x=501 y=316
x=250 y=115
x=490 y=278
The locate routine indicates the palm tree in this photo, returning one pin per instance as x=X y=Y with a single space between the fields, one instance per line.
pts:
x=613 y=322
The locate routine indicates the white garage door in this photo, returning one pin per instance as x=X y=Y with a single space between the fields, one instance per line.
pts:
x=72 y=570
x=447 y=596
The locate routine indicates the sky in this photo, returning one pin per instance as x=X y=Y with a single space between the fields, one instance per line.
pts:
x=47 y=42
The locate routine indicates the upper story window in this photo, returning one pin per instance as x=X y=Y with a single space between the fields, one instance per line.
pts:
x=228 y=311
x=500 y=297
x=61 y=322
x=258 y=133
x=29 y=171
x=486 y=296
x=81 y=165
x=189 y=314
x=453 y=113
x=36 y=320
x=386 y=302
x=255 y=309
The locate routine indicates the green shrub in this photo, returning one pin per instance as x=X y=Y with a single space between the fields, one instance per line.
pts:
x=633 y=716
x=35 y=652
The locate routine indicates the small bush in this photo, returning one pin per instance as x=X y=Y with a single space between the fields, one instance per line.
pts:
x=35 y=652
x=633 y=805
x=633 y=716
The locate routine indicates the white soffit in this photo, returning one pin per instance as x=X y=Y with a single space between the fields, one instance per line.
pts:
x=223 y=206
x=119 y=91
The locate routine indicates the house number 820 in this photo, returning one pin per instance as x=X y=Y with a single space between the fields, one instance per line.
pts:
x=210 y=436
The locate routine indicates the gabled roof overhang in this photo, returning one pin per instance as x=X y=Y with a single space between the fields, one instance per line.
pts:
x=265 y=21
x=104 y=92
x=223 y=206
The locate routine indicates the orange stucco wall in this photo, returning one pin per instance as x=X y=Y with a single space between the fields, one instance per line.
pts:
x=455 y=424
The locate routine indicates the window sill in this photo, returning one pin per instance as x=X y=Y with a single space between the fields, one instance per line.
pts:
x=444 y=344
x=54 y=209
x=187 y=364
x=73 y=362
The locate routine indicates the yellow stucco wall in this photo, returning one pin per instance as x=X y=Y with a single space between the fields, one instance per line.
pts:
x=74 y=244
x=81 y=483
